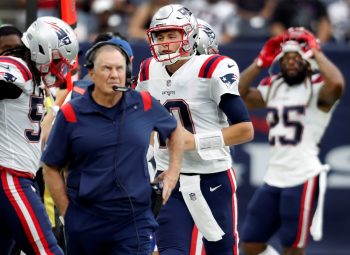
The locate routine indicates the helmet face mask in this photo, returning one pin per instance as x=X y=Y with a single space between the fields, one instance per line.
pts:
x=53 y=47
x=207 y=43
x=173 y=18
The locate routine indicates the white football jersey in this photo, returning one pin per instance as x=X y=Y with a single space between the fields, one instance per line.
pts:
x=20 y=146
x=296 y=126
x=192 y=94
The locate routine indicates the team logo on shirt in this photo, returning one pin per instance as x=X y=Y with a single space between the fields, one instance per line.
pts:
x=8 y=77
x=193 y=196
x=229 y=79
x=61 y=34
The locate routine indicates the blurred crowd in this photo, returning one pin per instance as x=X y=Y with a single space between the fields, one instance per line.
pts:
x=231 y=19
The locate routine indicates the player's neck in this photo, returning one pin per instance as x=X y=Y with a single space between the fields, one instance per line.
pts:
x=176 y=66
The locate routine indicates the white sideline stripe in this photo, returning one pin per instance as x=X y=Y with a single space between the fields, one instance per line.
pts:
x=26 y=214
x=306 y=213
x=199 y=244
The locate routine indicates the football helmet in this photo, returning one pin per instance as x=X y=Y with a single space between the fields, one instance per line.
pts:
x=53 y=47
x=295 y=46
x=207 y=43
x=303 y=37
x=173 y=17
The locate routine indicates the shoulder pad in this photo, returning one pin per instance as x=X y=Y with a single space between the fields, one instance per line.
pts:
x=209 y=66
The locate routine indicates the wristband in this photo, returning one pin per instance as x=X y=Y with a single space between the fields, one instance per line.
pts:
x=209 y=141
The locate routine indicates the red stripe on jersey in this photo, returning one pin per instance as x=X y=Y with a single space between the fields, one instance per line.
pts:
x=17 y=173
x=37 y=226
x=317 y=78
x=144 y=69
x=68 y=112
x=232 y=177
x=194 y=240
x=305 y=208
x=20 y=213
x=22 y=68
x=79 y=90
x=147 y=100
x=209 y=66
x=267 y=81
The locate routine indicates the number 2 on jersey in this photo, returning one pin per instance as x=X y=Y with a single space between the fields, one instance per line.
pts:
x=273 y=118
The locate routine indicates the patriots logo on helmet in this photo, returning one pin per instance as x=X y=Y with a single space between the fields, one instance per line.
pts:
x=186 y=12
x=228 y=79
x=210 y=33
x=63 y=37
x=8 y=77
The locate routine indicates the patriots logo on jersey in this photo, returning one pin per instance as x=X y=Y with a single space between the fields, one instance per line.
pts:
x=8 y=77
x=61 y=34
x=228 y=79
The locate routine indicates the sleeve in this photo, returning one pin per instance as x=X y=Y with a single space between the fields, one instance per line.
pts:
x=234 y=108
x=56 y=150
x=225 y=80
x=164 y=122
x=264 y=87
x=15 y=71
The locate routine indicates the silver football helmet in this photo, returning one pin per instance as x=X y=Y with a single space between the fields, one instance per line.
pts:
x=53 y=47
x=208 y=41
x=174 y=17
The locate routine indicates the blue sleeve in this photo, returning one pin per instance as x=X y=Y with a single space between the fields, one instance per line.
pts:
x=165 y=123
x=234 y=108
x=56 y=150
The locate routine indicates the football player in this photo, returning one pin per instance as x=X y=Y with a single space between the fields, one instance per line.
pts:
x=49 y=50
x=300 y=100
x=202 y=93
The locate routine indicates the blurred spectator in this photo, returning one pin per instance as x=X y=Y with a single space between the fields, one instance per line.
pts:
x=255 y=16
x=339 y=15
x=10 y=37
x=221 y=15
x=113 y=15
x=311 y=14
x=142 y=17
x=87 y=23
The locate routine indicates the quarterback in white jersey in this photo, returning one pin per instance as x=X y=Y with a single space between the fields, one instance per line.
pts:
x=202 y=92
x=193 y=95
x=299 y=105
x=48 y=52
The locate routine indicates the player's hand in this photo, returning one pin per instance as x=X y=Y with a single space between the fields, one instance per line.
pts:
x=167 y=181
x=269 y=51
x=302 y=34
